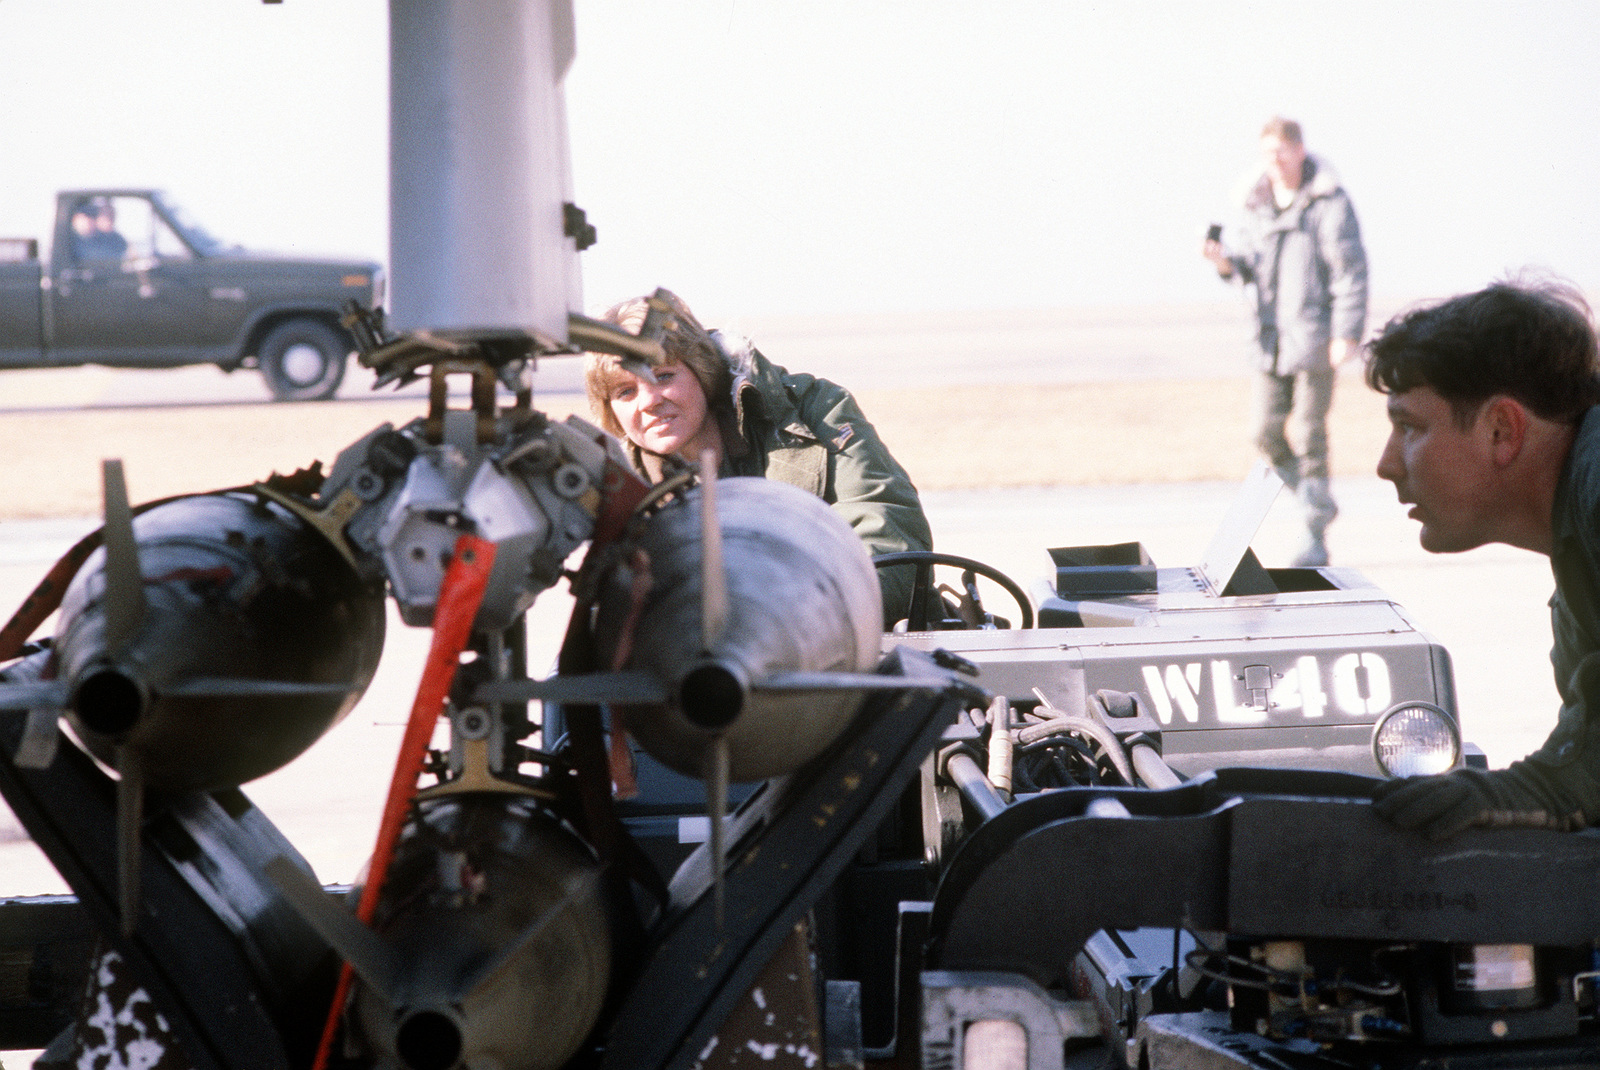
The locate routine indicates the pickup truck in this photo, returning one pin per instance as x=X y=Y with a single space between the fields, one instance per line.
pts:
x=131 y=282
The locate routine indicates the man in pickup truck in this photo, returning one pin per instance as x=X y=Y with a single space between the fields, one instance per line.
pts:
x=1494 y=402
x=94 y=231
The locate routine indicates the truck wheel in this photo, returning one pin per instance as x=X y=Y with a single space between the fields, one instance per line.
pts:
x=303 y=360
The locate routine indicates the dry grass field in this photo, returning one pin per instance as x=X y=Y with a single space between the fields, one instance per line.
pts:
x=948 y=438
x=1157 y=431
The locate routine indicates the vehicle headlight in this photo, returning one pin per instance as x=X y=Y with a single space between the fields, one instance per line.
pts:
x=995 y=1044
x=1415 y=739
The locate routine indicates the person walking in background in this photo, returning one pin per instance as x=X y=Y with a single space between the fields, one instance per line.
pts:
x=1297 y=252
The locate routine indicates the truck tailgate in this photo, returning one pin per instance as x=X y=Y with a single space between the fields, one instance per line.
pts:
x=20 y=323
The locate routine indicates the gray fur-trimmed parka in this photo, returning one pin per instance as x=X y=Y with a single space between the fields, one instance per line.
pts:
x=1304 y=269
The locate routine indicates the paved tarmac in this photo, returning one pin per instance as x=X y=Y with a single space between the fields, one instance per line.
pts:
x=866 y=352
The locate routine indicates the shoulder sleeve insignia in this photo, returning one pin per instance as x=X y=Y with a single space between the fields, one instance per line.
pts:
x=845 y=435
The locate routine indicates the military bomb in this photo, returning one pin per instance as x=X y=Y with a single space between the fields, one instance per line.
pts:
x=793 y=591
x=500 y=944
x=236 y=637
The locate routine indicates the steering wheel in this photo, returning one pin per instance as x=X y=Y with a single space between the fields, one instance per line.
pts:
x=924 y=596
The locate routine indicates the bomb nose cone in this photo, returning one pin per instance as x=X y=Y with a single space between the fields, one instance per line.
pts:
x=492 y=906
x=109 y=702
x=254 y=636
x=712 y=695
x=796 y=593
x=428 y=1040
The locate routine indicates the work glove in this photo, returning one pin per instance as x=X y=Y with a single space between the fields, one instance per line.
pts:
x=1525 y=795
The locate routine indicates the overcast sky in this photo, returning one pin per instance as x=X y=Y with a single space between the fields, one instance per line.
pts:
x=863 y=156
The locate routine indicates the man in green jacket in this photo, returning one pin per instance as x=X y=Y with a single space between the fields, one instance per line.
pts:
x=760 y=420
x=1494 y=399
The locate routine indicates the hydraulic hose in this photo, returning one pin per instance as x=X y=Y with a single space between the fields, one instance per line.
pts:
x=1151 y=767
x=974 y=786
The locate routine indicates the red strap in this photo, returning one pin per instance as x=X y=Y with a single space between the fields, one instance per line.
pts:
x=624 y=784
x=46 y=597
x=460 y=595
x=622 y=491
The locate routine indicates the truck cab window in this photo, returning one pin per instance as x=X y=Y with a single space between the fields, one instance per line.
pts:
x=167 y=244
x=136 y=226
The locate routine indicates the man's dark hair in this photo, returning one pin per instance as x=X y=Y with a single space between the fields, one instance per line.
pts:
x=1532 y=341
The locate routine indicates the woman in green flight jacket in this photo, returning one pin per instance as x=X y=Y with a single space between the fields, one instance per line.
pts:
x=759 y=420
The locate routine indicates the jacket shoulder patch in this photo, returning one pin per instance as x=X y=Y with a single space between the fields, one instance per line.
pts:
x=846 y=433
